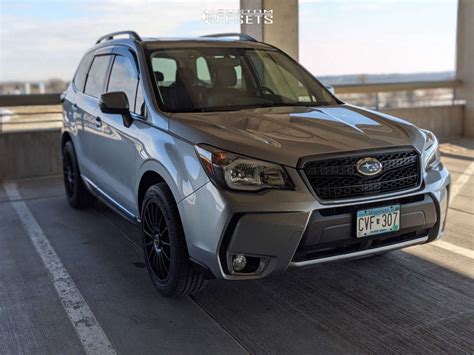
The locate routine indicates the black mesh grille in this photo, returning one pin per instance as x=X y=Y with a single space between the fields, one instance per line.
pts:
x=338 y=178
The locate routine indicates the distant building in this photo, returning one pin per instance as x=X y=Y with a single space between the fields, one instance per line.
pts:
x=32 y=87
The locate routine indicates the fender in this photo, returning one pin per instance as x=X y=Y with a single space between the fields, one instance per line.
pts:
x=179 y=188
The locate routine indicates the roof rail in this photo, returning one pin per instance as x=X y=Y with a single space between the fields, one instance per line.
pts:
x=242 y=36
x=110 y=36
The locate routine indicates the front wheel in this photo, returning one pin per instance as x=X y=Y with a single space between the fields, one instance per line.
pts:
x=164 y=245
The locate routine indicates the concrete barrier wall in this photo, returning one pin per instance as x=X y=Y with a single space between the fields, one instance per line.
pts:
x=30 y=154
x=25 y=154
x=444 y=121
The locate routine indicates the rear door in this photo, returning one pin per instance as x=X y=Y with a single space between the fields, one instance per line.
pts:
x=92 y=129
x=72 y=104
x=118 y=150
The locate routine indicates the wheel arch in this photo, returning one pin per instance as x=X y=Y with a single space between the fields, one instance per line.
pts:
x=148 y=179
x=151 y=173
x=65 y=137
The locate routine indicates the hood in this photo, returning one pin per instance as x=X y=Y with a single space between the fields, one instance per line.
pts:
x=285 y=134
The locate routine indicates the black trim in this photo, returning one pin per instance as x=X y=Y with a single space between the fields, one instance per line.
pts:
x=353 y=244
x=303 y=161
x=110 y=36
x=331 y=211
x=435 y=229
x=225 y=240
x=203 y=269
x=242 y=36
x=351 y=153
x=325 y=250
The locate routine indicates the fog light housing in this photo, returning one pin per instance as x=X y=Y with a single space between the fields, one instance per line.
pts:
x=239 y=262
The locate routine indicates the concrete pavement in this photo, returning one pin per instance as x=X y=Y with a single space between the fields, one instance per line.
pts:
x=416 y=300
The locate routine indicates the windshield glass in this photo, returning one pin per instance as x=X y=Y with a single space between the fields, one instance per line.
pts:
x=222 y=79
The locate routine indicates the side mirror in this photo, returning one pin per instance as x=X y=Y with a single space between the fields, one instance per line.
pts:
x=116 y=102
x=331 y=89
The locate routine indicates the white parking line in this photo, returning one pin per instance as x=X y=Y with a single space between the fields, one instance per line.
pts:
x=468 y=253
x=461 y=181
x=455 y=189
x=90 y=332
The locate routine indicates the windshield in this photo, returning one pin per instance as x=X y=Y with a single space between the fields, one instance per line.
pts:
x=223 y=79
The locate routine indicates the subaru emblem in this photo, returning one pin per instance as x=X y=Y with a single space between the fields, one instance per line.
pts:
x=369 y=166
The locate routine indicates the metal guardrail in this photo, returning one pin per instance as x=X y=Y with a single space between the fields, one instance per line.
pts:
x=398 y=86
x=375 y=92
x=54 y=99
x=29 y=100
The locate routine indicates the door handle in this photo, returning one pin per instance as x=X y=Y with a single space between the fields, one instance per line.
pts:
x=98 y=122
x=74 y=105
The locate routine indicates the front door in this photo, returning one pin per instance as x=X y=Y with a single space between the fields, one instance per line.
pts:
x=91 y=133
x=118 y=150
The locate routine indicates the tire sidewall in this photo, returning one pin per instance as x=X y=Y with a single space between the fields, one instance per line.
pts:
x=69 y=150
x=174 y=232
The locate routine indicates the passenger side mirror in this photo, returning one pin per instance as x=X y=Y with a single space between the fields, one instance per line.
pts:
x=116 y=102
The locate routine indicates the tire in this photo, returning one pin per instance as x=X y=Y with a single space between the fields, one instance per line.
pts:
x=77 y=194
x=164 y=245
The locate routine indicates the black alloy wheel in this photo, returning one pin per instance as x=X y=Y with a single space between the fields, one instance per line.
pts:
x=164 y=245
x=69 y=174
x=157 y=241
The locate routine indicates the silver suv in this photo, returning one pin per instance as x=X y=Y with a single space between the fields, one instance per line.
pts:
x=238 y=163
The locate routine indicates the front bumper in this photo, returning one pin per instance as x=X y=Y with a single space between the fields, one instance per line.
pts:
x=279 y=229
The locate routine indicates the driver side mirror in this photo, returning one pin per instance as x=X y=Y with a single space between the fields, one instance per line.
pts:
x=116 y=102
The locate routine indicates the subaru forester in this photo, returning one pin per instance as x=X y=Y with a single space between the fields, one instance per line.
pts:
x=238 y=163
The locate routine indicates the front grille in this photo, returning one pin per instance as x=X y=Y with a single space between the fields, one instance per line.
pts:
x=337 y=178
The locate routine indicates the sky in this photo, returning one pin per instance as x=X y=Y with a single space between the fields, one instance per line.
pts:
x=46 y=39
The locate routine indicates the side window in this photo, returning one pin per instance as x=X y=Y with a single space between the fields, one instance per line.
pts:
x=95 y=84
x=81 y=73
x=164 y=70
x=202 y=70
x=124 y=77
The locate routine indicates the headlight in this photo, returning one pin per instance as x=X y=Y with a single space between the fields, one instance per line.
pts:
x=431 y=154
x=236 y=172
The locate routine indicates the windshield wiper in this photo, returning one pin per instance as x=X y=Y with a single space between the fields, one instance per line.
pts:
x=259 y=105
x=232 y=108
x=304 y=104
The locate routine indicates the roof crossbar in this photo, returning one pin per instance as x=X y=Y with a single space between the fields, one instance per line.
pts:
x=110 y=36
x=242 y=36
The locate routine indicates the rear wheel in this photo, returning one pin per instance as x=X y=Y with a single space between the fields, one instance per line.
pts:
x=77 y=194
x=164 y=245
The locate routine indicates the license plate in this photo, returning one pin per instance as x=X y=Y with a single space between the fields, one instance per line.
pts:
x=378 y=220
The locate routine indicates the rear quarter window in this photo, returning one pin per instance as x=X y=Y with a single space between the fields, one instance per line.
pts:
x=81 y=73
x=95 y=84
